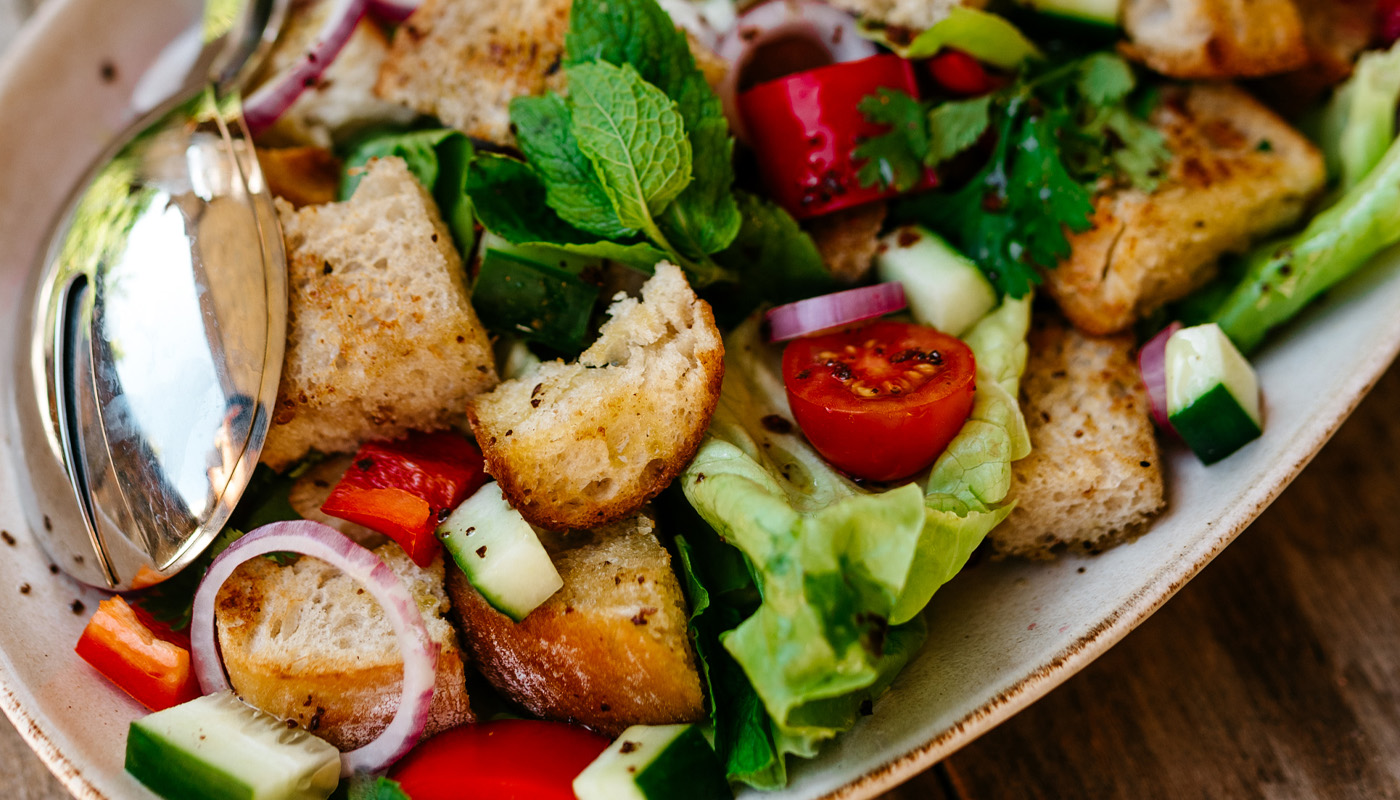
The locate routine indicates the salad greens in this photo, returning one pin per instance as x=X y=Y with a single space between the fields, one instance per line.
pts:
x=843 y=572
x=987 y=37
x=1059 y=129
x=1359 y=123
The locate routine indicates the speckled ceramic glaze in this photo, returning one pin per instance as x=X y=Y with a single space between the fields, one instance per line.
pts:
x=1001 y=635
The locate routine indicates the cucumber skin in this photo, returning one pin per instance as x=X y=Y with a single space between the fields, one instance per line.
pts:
x=687 y=769
x=175 y=775
x=1215 y=425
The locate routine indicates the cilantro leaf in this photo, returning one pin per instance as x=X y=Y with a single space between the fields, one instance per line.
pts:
x=1104 y=79
x=895 y=158
x=955 y=126
x=634 y=136
x=544 y=129
x=1040 y=180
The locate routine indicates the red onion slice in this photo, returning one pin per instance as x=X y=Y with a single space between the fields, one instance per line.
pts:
x=831 y=29
x=323 y=542
x=818 y=314
x=394 y=10
x=1152 y=362
x=278 y=93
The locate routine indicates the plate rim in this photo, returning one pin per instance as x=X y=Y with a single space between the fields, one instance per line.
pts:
x=1035 y=684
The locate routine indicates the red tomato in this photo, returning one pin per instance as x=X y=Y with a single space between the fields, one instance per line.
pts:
x=512 y=759
x=880 y=402
x=144 y=661
x=804 y=126
x=960 y=73
x=400 y=488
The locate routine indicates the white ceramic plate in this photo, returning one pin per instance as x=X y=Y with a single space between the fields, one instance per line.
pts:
x=1001 y=635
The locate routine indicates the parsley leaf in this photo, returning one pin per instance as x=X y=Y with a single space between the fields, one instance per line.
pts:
x=895 y=158
x=955 y=126
x=634 y=136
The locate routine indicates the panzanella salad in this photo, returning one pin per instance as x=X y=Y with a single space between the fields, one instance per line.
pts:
x=651 y=366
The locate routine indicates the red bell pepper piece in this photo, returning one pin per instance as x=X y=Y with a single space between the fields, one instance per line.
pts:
x=144 y=659
x=512 y=759
x=804 y=126
x=402 y=488
x=960 y=73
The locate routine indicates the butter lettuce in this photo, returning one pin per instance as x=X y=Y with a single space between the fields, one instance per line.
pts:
x=843 y=571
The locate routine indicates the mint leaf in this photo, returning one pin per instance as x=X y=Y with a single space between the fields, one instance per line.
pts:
x=510 y=201
x=955 y=126
x=638 y=33
x=635 y=138
x=894 y=158
x=775 y=260
x=543 y=127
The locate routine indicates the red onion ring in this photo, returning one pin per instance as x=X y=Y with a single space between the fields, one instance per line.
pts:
x=817 y=314
x=1152 y=363
x=394 y=10
x=325 y=543
x=832 y=29
x=278 y=93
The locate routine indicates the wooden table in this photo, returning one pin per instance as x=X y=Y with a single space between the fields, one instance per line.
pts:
x=1276 y=673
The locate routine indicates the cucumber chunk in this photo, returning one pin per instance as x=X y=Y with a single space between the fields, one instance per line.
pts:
x=944 y=288
x=1212 y=393
x=218 y=748
x=651 y=762
x=1099 y=12
x=500 y=553
x=535 y=292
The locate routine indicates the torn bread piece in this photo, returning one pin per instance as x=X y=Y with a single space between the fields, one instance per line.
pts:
x=914 y=15
x=849 y=239
x=1094 y=475
x=463 y=61
x=609 y=650
x=1214 y=39
x=305 y=643
x=1238 y=173
x=342 y=101
x=381 y=334
x=579 y=445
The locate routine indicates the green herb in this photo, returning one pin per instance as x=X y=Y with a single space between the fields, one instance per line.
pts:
x=982 y=35
x=779 y=261
x=895 y=158
x=369 y=787
x=1060 y=129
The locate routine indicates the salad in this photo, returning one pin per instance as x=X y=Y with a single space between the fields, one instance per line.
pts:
x=651 y=367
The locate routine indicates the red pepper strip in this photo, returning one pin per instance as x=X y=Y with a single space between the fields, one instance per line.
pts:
x=804 y=126
x=400 y=488
x=138 y=659
x=513 y=759
x=960 y=73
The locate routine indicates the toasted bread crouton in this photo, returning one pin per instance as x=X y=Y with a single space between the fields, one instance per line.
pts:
x=1237 y=173
x=1093 y=477
x=305 y=643
x=303 y=176
x=584 y=444
x=381 y=335
x=915 y=15
x=1205 y=39
x=849 y=239
x=342 y=101
x=465 y=60
x=609 y=650
x=1337 y=31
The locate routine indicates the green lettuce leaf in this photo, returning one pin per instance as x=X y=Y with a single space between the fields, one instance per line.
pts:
x=844 y=571
x=438 y=158
x=984 y=36
x=1359 y=123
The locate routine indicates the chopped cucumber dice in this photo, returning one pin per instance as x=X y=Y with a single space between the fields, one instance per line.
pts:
x=500 y=553
x=1099 y=12
x=218 y=748
x=652 y=762
x=944 y=288
x=1212 y=392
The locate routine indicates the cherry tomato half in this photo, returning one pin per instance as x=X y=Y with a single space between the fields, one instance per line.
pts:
x=880 y=402
x=510 y=759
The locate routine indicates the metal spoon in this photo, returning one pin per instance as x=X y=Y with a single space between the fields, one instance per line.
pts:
x=149 y=357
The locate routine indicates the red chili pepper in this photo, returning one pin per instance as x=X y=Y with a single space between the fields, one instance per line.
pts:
x=400 y=488
x=1388 y=18
x=960 y=73
x=804 y=126
x=147 y=662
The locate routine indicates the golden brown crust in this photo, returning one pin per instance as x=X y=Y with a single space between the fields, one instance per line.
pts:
x=848 y=240
x=1237 y=173
x=575 y=665
x=303 y=176
x=1214 y=39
